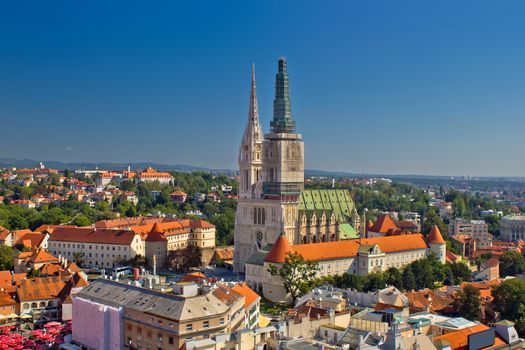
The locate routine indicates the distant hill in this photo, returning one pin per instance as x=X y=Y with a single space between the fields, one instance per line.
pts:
x=30 y=163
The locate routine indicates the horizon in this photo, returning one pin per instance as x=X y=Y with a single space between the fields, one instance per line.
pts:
x=431 y=89
x=329 y=172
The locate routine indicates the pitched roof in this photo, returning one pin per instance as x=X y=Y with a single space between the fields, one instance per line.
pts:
x=490 y=263
x=6 y=279
x=459 y=339
x=41 y=256
x=279 y=250
x=91 y=235
x=224 y=253
x=31 y=240
x=6 y=299
x=41 y=288
x=156 y=235
x=249 y=295
x=50 y=228
x=435 y=237
x=383 y=224
x=349 y=248
x=3 y=233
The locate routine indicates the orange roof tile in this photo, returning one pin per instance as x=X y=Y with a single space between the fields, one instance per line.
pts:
x=3 y=233
x=90 y=235
x=348 y=248
x=249 y=295
x=31 y=240
x=383 y=223
x=459 y=339
x=435 y=237
x=156 y=235
x=279 y=251
x=6 y=299
x=6 y=279
x=42 y=256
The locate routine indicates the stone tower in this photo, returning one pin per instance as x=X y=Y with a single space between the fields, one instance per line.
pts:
x=250 y=152
x=270 y=185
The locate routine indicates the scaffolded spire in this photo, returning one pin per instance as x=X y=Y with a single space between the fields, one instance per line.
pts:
x=282 y=107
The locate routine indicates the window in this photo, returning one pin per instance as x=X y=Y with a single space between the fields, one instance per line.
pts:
x=221 y=321
x=206 y=324
x=170 y=340
x=189 y=327
x=129 y=327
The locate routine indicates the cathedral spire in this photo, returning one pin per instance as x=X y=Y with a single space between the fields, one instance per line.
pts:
x=253 y=127
x=282 y=108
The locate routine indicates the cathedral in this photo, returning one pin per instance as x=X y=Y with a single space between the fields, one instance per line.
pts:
x=272 y=198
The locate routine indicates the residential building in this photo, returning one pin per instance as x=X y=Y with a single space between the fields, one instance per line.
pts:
x=128 y=317
x=42 y=297
x=477 y=229
x=32 y=260
x=178 y=196
x=252 y=302
x=103 y=248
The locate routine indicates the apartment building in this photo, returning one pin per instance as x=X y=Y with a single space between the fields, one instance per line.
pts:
x=476 y=229
x=129 y=317
x=102 y=248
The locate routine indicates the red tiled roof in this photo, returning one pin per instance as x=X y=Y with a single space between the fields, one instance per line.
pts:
x=31 y=240
x=42 y=256
x=224 y=253
x=348 y=248
x=156 y=235
x=3 y=233
x=435 y=237
x=249 y=295
x=405 y=224
x=383 y=224
x=50 y=228
x=279 y=251
x=178 y=193
x=6 y=299
x=90 y=235
x=197 y=277
x=6 y=279
x=459 y=339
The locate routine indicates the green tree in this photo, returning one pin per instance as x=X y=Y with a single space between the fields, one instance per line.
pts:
x=511 y=263
x=182 y=260
x=78 y=258
x=509 y=300
x=461 y=272
x=459 y=207
x=7 y=254
x=409 y=280
x=81 y=220
x=374 y=282
x=297 y=274
x=468 y=303
x=394 y=277
x=32 y=273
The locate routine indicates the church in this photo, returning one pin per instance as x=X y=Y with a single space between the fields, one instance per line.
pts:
x=276 y=215
x=272 y=198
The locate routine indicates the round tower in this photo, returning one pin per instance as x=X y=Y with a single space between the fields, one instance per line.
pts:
x=437 y=244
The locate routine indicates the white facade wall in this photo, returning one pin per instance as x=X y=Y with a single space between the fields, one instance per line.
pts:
x=98 y=254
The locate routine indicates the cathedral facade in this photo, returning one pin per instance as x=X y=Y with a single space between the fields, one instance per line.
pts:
x=272 y=198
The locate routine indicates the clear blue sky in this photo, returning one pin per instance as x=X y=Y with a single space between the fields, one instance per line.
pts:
x=419 y=87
